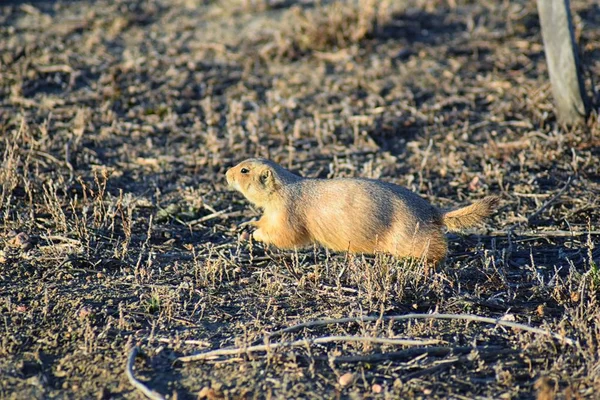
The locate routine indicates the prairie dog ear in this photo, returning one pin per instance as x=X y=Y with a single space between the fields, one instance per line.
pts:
x=266 y=177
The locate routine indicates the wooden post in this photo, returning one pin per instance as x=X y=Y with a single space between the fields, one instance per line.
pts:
x=563 y=61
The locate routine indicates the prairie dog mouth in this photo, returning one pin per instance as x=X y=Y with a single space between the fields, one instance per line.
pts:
x=233 y=184
x=230 y=181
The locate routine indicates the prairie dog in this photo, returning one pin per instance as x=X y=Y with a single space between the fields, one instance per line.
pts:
x=348 y=214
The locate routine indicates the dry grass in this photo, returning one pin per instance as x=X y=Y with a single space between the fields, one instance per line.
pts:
x=326 y=28
x=119 y=120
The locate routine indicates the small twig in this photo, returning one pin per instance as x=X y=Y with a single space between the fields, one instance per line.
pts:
x=484 y=353
x=541 y=234
x=549 y=202
x=209 y=208
x=47 y=156
x=437 y=351
x=429 y=371
x=531 y=195
x=184 y=341
x=151 y=394
x=48 y=69
x=342 y=288
x=465 y=317
x=304 y=343
x=211 y=216
x=59 y=238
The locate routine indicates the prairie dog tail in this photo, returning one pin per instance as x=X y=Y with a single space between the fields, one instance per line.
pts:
x=466 y=217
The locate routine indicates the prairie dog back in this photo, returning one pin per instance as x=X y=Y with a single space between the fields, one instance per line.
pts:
x=362 y=215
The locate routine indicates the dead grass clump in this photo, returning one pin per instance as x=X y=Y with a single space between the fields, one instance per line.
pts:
x=11 y=165
x=383 y=279
x=9 y=178
x=329 y=27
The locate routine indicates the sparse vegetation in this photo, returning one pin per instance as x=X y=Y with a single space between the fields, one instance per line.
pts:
x=119 y=119
x=331 y=27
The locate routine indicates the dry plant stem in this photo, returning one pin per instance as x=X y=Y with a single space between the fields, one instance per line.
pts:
x=433 y=369
x=437 y=351
x=151 y=394
x=215 y=214
x=188 y=342
x=547 y=234
x=549 y=202
x=304 y=343
x=464 y=317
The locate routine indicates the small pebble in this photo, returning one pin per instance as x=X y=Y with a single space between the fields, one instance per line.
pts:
x=346 y=379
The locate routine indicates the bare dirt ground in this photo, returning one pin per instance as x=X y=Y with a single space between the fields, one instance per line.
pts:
x=119 y=118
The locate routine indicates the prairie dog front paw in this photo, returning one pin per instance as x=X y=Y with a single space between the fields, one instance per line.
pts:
x=259 y=235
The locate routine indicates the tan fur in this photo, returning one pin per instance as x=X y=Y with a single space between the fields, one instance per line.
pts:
x=356 y=215
x=472 y=215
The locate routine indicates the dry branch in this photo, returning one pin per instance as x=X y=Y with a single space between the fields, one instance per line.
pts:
x=546 y=234
x=304 y=343
x=151 y=394
x=437 y=351
x=464 y=317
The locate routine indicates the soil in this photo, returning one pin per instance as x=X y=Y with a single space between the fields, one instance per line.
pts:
x=118 y=120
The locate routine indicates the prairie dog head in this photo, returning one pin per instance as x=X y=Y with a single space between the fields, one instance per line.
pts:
x=257 y=179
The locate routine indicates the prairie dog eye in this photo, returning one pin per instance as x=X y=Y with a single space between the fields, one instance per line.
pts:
x=244 y=170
